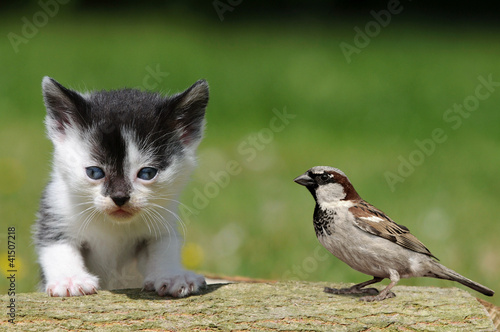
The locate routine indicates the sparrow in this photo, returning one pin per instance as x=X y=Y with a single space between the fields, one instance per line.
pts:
x=367 y=240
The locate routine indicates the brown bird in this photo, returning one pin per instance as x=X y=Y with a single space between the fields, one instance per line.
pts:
x=367 y=240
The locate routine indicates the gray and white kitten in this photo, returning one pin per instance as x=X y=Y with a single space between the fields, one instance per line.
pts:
x=108 y=217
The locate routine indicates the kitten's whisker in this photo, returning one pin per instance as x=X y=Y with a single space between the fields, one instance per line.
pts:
x=158 y=218
x=84 y=211
x=162 y=221
x=169 y=211
x=179 y=220
x=166 y=198
x=150 y=222
x=87 y=221
x=83 y=204
x=146 y=221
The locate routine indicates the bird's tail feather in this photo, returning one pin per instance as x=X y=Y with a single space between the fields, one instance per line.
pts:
x=449 y=274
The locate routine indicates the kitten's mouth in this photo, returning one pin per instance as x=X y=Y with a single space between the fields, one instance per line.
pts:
x=121 y=214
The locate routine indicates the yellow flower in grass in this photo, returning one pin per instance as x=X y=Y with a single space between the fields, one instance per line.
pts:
x=192 y=255
x=12 y=264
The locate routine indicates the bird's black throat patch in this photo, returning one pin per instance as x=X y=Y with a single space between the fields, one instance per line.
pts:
x=324 y=221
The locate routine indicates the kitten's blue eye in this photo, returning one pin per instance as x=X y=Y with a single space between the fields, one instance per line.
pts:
x=94 y=172
x=147 y=173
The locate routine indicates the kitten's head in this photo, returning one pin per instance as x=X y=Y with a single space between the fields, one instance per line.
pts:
x=121 y=152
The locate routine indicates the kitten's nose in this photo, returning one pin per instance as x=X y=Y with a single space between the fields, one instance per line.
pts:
x=120 y=199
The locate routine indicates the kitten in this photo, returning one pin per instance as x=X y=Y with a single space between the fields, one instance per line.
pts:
x=107 y=218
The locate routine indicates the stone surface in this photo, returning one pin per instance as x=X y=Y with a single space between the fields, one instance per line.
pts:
x=252 y=306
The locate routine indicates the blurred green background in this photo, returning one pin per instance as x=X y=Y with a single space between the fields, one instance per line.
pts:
x=363 y=114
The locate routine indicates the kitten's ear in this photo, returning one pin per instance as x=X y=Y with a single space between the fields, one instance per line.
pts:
x=189 y=109
x=65 y=108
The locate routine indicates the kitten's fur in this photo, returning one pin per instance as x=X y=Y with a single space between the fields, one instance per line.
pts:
x=108 y=218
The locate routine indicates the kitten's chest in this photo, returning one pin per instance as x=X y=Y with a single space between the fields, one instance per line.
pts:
x=109 y=246
x=107 y=254
x=113 y=260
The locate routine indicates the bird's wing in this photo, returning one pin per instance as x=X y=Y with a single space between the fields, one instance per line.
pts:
x=372 y=220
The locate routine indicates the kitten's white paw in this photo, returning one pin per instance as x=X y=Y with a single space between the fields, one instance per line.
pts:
x=179 y=284
x=78 y=285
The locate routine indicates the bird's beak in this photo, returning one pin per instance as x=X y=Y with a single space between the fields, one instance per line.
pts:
x=304 y=180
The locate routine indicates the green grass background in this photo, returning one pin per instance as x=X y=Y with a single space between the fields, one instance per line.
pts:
x=359 y=117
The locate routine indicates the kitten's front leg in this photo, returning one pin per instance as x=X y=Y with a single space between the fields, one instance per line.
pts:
x=164 y=272
x=64 y=271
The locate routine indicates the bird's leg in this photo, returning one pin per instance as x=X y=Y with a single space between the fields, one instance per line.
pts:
x=386 y=292
x=356 y=289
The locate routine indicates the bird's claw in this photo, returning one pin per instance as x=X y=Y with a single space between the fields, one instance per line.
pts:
x=379 y=297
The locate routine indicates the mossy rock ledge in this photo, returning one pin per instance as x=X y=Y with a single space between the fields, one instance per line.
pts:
x=290 y=305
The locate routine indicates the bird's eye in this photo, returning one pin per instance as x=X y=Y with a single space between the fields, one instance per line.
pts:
x=147 y=173
x=324 y=177
x=94 y=172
